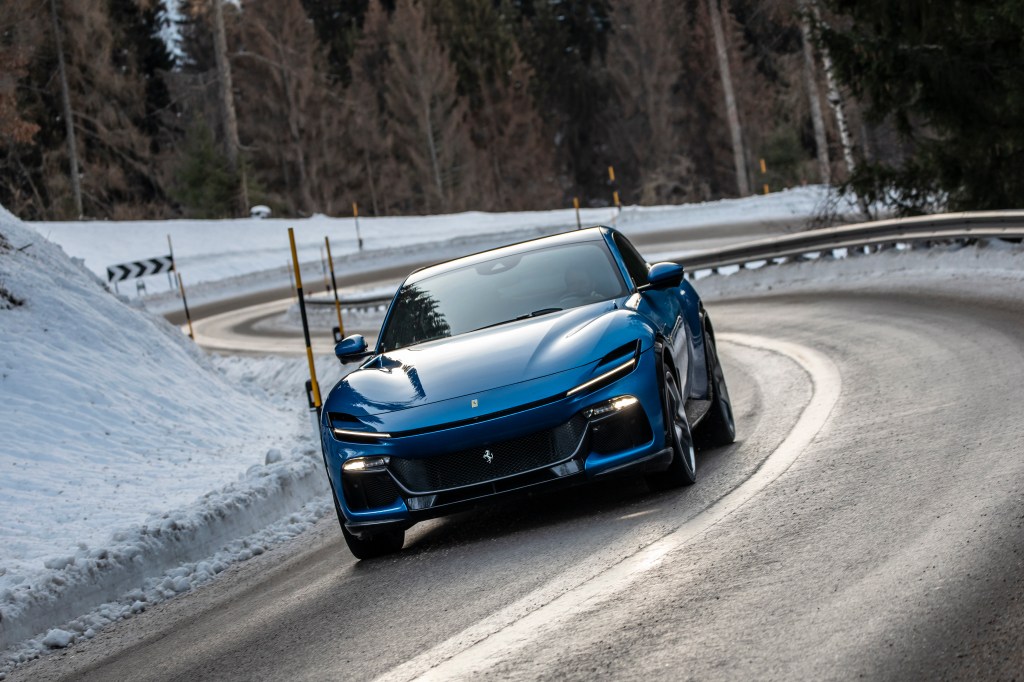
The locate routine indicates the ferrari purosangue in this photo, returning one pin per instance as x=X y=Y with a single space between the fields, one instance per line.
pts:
x=546 y=363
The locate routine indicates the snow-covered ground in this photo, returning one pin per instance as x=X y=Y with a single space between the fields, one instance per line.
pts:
x=209 y=251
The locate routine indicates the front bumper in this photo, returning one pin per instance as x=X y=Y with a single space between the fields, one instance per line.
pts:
x=549 y=446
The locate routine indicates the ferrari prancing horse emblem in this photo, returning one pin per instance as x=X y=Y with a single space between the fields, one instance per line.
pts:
x=474 y=403
x=488 y=456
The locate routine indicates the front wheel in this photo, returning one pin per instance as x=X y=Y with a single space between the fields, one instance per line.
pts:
x=370 y=547
x=683 y=469
x=373 y=546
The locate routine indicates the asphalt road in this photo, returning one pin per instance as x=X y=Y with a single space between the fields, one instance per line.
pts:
x=868 y=522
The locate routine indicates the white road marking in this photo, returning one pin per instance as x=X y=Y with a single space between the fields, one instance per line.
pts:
x=536 y=616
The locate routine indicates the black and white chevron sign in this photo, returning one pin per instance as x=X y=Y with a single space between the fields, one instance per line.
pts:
x=142 y=268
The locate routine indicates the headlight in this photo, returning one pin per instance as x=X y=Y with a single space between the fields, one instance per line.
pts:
x=613 y=405
x=362 y=464
x=606 y=378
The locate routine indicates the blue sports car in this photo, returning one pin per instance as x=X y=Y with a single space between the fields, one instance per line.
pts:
x=546 y=363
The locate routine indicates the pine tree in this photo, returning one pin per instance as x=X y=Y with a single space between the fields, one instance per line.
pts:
x=20 y=134
x=204 y=183
x=514 y=145
x=292 y=120
x=950 y=76
x=339 y=27
x=14 y=58
x=139 y=46
x=106 y=89
x=373 y=177
x=426 y=116
x=564 y=42
x=646 y=119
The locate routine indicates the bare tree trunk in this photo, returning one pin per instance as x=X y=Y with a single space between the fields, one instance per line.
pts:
x=732 y=113
x=69 y=121
x=305 y=191
x=369 y=178
x=814 y=97
x=432 y=145
x=835 y=99
x=230 y=121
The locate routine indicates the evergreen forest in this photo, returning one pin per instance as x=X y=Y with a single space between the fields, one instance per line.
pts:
x=151 y=109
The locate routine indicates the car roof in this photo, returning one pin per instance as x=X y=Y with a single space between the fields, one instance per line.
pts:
x=574 y=237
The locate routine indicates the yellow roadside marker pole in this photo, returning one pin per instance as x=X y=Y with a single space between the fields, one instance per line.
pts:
x=615 y=190
x=576 y=205
x=188 y=316
x=764 y=171
x=314 y=387
x=181 y=288
x=340 y=333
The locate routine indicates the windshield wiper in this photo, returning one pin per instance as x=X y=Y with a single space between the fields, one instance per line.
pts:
x=535 y=313
x=538 y=313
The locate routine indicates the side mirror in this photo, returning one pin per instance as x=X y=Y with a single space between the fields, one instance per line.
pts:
x=351 y=348
x=664 y=276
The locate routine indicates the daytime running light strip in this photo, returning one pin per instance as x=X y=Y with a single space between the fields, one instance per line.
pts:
x=627 y=365
x=361 y=434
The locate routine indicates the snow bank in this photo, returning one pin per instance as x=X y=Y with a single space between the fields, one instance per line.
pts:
x=166 y=555
x=115 y=429
x=208 y=251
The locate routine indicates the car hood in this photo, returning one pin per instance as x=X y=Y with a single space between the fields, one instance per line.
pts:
x=486 y=359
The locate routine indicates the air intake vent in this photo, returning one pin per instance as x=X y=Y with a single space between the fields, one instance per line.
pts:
x=620 y=354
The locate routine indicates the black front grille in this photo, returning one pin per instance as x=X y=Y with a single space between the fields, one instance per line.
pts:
x=507 y=458
x=369 y=490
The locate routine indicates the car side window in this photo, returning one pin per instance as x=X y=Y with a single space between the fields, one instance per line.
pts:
x=636 y=266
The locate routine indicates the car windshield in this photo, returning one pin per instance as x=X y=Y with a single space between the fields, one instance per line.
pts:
x=504 y=289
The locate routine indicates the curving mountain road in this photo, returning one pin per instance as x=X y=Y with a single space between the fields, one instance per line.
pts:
x=868 y=522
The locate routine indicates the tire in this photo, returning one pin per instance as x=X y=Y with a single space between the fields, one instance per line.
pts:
x=682 y=471
x=373 y=546
x=718 y=426
x=370 y=547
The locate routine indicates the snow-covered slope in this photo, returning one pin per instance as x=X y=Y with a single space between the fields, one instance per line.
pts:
x=114 y=430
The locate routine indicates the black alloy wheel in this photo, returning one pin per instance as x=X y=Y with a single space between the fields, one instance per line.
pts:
x=369 y=547
x=682 y=471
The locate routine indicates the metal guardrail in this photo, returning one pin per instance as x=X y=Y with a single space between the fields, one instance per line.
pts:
x=948 y=226
x=944 y=227
x=350 y=303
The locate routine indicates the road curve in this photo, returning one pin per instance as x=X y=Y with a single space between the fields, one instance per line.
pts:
x=868 y=522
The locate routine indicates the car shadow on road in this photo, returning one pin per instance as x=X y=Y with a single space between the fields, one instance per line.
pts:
x=621 y=497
